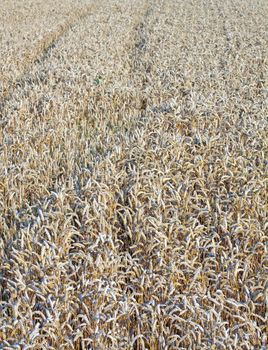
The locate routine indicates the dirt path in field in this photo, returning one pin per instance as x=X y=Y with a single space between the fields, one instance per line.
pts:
x=133 y=163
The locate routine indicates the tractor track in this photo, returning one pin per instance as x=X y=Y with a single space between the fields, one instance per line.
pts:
x=131 y=218
x=40 y=53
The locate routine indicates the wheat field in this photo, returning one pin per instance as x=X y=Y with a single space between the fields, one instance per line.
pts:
x=133 y=174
